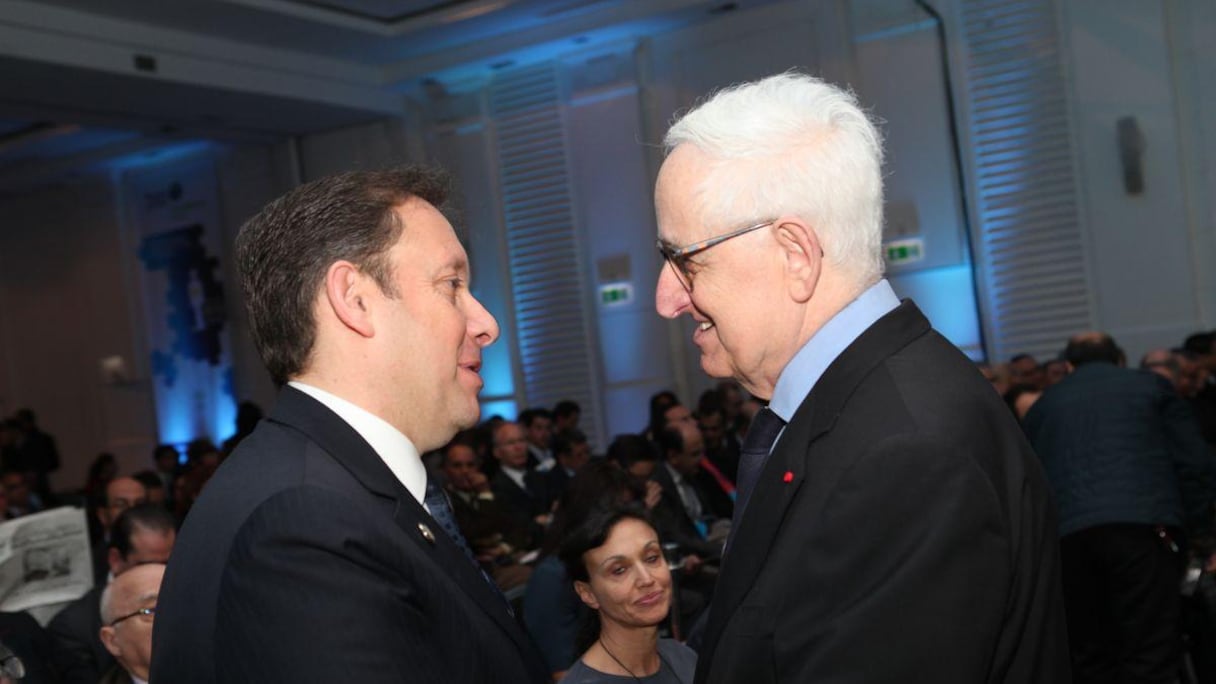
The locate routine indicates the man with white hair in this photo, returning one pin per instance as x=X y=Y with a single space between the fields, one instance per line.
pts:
x=892 y=524
x=128 y=606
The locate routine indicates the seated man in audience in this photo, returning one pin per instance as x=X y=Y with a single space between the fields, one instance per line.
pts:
x=121 y=494
x=21 y=500
x=721 y=445
x=538 y=429
x=128 y=606
x=566 y=415
x=1025 y=370
x=686 y=514
x=481 y=518
x=572 y=452
x=142 y=534
x=520 y=489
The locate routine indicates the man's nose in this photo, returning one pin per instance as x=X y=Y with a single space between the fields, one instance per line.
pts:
x=670 y=297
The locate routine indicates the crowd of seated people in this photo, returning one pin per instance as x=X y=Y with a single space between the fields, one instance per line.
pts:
x=105 y=634
x=521 y=489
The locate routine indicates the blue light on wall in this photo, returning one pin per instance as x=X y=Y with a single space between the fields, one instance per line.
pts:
x=502 y=407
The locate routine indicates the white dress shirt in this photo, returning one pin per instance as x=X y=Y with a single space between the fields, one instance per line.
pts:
x=394 y=448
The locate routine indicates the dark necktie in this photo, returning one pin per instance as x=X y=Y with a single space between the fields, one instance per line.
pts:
x=759 y=441
x=441 y=511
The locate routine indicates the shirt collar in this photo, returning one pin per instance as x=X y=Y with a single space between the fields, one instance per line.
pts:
x=393 y=447
x=799 y=376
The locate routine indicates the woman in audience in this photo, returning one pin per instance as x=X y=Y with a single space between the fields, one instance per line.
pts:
x=552 y=611
x=619 y=572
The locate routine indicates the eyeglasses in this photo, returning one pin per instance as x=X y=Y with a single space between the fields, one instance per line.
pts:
x=150 y=612
x=677 y=257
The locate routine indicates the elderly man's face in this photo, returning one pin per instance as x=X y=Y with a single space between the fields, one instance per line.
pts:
x=738 y=298
x=510 y=446
x=127 y=634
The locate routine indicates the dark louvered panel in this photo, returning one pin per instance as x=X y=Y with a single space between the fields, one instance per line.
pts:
x=1029 y=235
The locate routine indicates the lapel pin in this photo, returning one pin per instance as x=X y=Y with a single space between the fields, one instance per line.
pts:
x=788 y=477
x=427 y=534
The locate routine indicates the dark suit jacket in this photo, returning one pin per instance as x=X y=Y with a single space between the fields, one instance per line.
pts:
x=672 y=520
x=305 y=560
x=522 y=504
x=29 y=642
x=77 y=651
x=901 y=531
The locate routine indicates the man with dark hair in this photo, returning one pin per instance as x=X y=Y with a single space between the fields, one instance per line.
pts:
x=1025 y=370
x=571 y=450
x=121 y=493
x=37 y=454
x=566 y=415
x=1132 y=477
x=538 y=428
x=721 y=444
x=357 y=293
x=144 y=533
x=685 y=512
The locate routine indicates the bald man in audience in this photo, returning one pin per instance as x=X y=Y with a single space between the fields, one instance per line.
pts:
x=128 y=607
x=142 y=534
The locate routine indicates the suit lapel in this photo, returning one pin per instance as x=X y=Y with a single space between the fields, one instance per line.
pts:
x=791 y=462
x=338 y=439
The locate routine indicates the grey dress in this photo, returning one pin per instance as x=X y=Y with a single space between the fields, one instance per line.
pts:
x=679 y=663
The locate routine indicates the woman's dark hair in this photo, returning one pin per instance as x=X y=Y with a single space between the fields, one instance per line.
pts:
x=591 y=534
x=597 y=485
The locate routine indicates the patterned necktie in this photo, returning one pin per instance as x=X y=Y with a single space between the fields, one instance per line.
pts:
x=759 y=441
x=441 y=511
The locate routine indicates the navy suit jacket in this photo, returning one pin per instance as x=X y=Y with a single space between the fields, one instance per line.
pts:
x=306 y=560
x=900 y=531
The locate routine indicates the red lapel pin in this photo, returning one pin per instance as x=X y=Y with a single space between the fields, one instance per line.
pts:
x=788 y=477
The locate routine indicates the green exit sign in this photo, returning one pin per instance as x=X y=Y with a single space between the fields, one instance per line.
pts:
x=616 y=294
x=904 y=251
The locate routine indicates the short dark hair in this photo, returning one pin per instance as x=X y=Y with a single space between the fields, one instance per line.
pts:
x=1092 y=348
x=670 y=440
x=529 y=416
x=148 y=479
x=466 y=438
x=144 y=516
x=626 y=450
x=285 y=250
x=1202 y=343
x=566 y=407
x=564 y=441
x=592 y=533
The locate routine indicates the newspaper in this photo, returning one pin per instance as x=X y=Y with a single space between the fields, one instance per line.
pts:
x=44 y=559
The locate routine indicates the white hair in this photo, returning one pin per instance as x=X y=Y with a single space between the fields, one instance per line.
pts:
x=792 y=144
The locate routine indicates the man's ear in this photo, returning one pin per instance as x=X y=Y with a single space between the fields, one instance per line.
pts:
x=115 y=561
x=803 y=257
x=584 y=592
x=347 y=291
x=107 y=639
